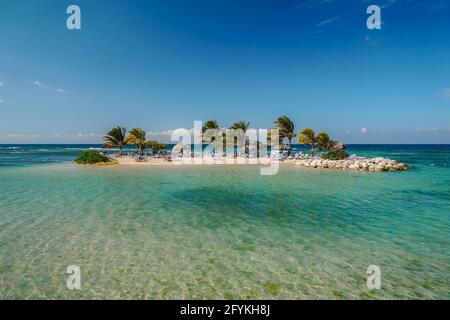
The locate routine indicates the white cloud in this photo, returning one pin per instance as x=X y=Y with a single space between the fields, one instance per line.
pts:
x=327 y=21
x=364 y=130
x=76 y=135
x=166 y=135
x=1 y=101
x=1 y=84
x=41 y=85
x=12 y=135
x=426 y=130
x=86 y=135
x=19 y=135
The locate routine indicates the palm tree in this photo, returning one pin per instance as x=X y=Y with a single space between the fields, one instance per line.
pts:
x=324 y=141
x=137 y=137
x=115 y=138
x=155 y=145
x=286 y=127
x=270 y=133
x=240 y=125
x=210 y=124
x=307 y=137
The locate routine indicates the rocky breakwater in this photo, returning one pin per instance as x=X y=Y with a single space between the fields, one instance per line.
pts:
x=356 y=163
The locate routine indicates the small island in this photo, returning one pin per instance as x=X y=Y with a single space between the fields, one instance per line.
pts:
x=324 y=152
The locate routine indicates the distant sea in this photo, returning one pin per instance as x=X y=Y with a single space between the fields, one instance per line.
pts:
x=223 y=231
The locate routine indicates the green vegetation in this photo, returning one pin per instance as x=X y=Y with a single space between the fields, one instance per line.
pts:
x=137 y=136
x=210 y=125
x=91 y=157
x=272 y=288
x=286 y=130
x=307 y=137
x=241 y=125
x=324 y=141
x=115 y=138
x=240 y=128
x=155 y=145
x=335 y=155
x=118 y=138
x=335 y=150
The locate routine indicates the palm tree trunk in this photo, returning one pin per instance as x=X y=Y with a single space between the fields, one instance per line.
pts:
x=289 y=146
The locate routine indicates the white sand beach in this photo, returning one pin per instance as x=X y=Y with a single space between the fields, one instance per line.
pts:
x=151 y=161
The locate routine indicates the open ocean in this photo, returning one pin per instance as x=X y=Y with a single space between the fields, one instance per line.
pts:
x=223 y=232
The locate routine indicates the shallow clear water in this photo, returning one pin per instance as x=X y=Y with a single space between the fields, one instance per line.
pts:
x=224 y=232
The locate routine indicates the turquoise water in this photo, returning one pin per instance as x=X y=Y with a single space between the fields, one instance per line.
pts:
x=223 y=232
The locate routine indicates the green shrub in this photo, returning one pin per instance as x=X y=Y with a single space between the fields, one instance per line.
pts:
x=335 y=155
x=91 y=157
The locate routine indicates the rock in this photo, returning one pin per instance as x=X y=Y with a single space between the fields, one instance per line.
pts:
x=356 y=163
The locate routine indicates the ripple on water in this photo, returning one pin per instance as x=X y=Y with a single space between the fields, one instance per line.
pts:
x=177 y=233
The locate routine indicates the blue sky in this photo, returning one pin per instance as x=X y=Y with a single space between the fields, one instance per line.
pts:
x=160 y=65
